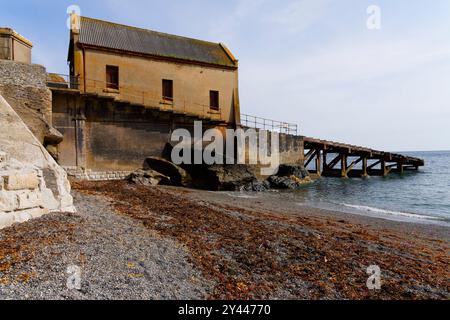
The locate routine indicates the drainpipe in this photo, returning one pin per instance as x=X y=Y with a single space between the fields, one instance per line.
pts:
x=12 y=48
x=84 y=69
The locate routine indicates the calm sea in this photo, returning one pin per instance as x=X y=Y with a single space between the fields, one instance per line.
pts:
x=422 y=196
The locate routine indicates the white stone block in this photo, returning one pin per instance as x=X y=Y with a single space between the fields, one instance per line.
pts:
x=8 y=201
x=29 y=199
x=22 y=216
x=22 y=181
x=3 y=158
x=49 y=200
x=6 y=219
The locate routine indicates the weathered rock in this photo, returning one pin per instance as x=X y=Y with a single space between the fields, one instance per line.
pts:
x=3 y=158
x=287 y=170
x=53 y=137
x=178 y=176
x=53 y=151
x=21 y=180
x=285 y=182
x=278 y=182
x=258 y=186
x=34 y=185
x=222 y=177
x=148 y=178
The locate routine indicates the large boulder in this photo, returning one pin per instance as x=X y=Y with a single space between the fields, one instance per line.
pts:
x=222 y=177
x=148 y=178
x=257 y=186
x=25 y=159
x=277 y=182
x=288 y=170
x=289 y=177
x=178 y=176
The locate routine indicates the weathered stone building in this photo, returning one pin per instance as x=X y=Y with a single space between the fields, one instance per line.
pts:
x=14 y=47
x=153 y=68
x=129 y=88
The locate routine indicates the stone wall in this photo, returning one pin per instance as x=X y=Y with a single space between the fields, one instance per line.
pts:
x=90 y=175
x=31 y=182
x=24 y=87
x=22 y=74
x=107 y=136
x=22 y=192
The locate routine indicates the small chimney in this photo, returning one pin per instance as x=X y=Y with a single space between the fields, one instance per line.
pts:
x=75 y=22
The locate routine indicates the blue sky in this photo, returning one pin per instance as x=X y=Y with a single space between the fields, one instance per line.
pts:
x=311 y=62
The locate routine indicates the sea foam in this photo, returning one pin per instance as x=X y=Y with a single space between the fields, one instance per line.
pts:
x=389 y=212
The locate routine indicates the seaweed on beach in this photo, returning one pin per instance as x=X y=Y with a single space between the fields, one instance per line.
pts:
x=252 y=254
x=20 y=243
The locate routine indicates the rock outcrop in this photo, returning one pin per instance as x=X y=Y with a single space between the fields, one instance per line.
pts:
x=243 y=178
x=148 y=178
x=221 y=177
x=289 y=177
x=236 y=177
x=178 y=176
x=31 y=182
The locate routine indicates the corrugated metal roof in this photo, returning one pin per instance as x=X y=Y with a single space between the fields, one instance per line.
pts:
x=120 y=37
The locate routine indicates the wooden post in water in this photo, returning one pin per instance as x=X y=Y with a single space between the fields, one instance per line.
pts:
x=400 y=167
x=364 y=173
x=318 y=163
x=384 y=170
x=344 y=165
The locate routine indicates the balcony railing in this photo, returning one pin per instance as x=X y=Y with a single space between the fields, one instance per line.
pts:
x=64 y=81
x=268 y=124
x=149 y=98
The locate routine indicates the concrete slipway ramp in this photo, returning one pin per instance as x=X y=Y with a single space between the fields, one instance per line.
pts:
x=31 y=182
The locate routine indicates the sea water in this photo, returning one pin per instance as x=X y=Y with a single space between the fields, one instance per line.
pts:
x=419 y=196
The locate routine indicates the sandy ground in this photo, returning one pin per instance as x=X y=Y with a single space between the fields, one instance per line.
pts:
x=134 y=242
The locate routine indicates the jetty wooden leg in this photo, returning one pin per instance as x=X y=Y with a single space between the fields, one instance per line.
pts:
x=325 y=165
x=344 y=166
x=400 y=167
x=364 y=173
x=318 y=163
x=384 y=169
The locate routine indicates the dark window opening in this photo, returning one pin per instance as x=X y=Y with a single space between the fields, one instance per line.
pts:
x=214 y=100
x=167 y=86
x=112 y=77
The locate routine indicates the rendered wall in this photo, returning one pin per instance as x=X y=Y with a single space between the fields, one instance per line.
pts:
x=102 y=135
x=106 y=137
x=140 y=80
x=22 y=52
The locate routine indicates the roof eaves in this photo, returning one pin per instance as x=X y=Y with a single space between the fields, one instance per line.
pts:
x=161 y=57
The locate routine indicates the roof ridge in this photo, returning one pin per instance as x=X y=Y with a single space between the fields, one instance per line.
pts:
x=149 y=30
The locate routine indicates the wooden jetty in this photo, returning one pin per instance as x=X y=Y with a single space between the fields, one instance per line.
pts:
x=334 y=159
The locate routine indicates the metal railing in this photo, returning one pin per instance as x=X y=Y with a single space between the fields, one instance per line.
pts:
x=268 y=124
x=148 y=98
x=56 y=80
